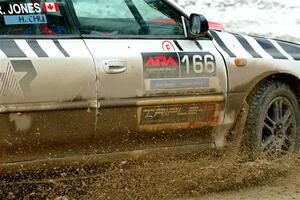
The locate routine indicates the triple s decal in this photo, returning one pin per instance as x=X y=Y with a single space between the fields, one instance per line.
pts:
x=27 y=13
x=177 y=113
x=179 y=116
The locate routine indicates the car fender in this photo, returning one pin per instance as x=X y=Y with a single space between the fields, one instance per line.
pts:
x=249 y=61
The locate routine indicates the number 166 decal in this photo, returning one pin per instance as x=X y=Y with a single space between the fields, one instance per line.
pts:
x=197 y=64
x=179 y=65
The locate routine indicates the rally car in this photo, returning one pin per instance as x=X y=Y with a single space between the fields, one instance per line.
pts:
x=81 y=77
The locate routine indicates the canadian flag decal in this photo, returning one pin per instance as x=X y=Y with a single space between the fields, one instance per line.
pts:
x=50 y=7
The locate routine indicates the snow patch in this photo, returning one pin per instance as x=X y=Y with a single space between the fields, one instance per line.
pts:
x=272 y=18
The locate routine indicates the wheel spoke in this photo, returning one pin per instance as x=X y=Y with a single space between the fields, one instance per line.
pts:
x=280 y=109
x=286 y=117
x=277 y=110
x=269 y=120
x=271 y=129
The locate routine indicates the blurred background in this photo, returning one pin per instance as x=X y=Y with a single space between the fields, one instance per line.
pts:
x=273 y=18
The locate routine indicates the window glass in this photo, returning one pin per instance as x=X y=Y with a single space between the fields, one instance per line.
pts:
x=34 y=17
x=108 y=8
x=160 y=17
x=105 y=17
x=127 y=17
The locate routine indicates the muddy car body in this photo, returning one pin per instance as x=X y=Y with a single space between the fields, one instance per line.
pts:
x=77 y=81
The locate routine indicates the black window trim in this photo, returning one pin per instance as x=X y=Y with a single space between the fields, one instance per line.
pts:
x=91 y=37
x=69 y=36
x=86 y=36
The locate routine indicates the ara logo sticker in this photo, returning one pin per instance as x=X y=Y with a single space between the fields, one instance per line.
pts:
x=160 y=65
x=161 y=61
x=50 y=7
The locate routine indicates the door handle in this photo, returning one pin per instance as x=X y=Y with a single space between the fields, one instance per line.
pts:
x=114 y=66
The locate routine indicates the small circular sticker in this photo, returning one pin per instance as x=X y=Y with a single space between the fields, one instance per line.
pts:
x=168 y=46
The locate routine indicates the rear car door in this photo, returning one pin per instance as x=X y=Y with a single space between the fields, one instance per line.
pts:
x=156 y=87
x=47 y=82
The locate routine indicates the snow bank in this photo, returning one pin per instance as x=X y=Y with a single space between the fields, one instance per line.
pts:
x=273 y=18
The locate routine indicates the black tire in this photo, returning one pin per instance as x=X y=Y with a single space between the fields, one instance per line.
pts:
x=272 y=126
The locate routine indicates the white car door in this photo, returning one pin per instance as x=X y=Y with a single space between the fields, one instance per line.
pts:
x=47 y=83
x=156 y=86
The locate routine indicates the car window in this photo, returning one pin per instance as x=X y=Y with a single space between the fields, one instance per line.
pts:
x=35 y=17
x=127 y=17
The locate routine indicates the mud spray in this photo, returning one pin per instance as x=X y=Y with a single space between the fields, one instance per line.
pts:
x=181 y=176
x=178 y=177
